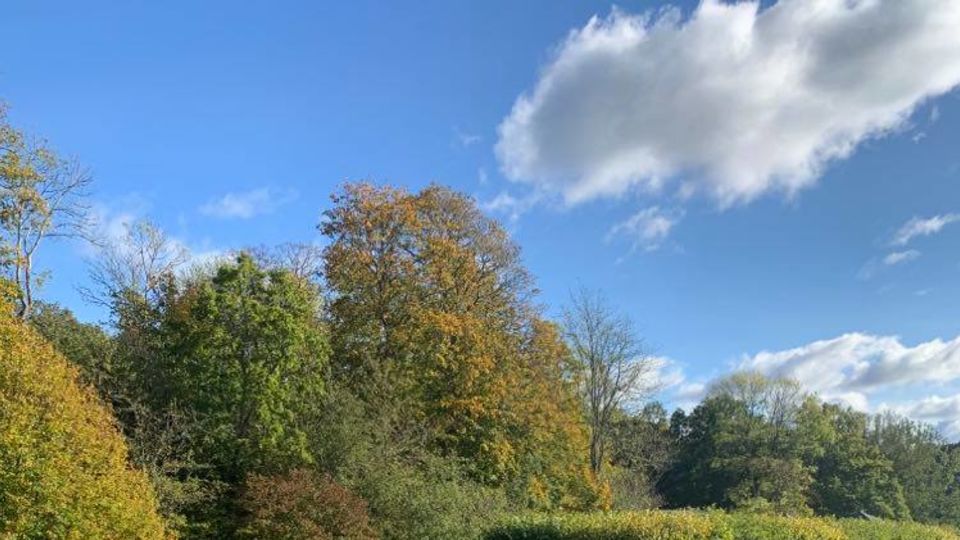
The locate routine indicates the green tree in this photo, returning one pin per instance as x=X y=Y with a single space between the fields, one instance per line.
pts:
x=642 y=449
x=86 y=345
x=245 y=351
x=852 y=475
x=926 y=466
x=740 y=448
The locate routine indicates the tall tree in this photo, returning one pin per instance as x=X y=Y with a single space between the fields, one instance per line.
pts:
x=432 y=314
x=41 y=197
x=615 y=367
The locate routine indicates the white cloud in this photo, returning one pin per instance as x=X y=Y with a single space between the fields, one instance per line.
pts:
x=113 y=225
x=247 y=204
x=508 y=205
x=734 y=101
x=898 y=257
x=862 y=363
x=922 y=227
x=648 y=228
x=664 y=374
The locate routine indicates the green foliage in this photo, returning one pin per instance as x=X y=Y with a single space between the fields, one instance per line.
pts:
x=87 y=346
x=853 y=475
x=218 y=373
x=762 y=446
x=695 y=525
x=241 y=352
x=878 y=529
x=303 y=505
x=411 y=493
x=63 y=464
x=674 y=525
x=926 y=466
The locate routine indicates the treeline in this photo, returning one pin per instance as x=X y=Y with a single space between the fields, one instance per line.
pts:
x=762 y=444
x=400 y=382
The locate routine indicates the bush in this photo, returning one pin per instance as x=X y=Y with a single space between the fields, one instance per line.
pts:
x=878 y=529
x=697 y=525
x=63 y=463
x=770 y=527
x=303 y=505
x=426 y=501
x=673 y=525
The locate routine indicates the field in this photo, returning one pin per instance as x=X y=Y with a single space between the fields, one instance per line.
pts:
x=712 y=525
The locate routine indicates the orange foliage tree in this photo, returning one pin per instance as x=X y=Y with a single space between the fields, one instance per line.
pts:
x=433 y=312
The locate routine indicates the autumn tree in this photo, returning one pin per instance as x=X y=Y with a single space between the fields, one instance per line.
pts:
x=615 y=368
x=41 y=197
x=63 y=464
x=431 y=314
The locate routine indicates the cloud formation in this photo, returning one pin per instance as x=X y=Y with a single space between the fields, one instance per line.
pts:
x=648 y=228
x=733 y=101
x=899 y=257
x=922 y=227
x=247 y=204
x=851 y=367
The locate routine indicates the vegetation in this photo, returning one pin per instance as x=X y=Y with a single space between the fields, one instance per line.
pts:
x=63 y=463
x=713 y=525
x=402 y=382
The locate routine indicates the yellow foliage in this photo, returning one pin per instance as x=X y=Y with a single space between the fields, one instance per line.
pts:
x=63 y=463
x=705 y=525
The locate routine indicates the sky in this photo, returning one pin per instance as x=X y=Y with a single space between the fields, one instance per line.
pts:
x=771 y=186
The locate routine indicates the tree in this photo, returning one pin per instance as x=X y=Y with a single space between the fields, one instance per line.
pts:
x=431 y=314
x=63 y=464
x=616 y=368
x=853 y=476
x=925 y=465
x=135 y=266
x=244 y=351
x=741 y=448
x=642 y=448
x=41 y=197
x=87 y=346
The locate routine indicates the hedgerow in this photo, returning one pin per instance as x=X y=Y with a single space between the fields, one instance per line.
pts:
x=705 y=525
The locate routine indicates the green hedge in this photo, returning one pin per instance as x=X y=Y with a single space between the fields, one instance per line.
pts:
x=699 y=525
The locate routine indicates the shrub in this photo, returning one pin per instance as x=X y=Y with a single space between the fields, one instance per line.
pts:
x=697 y=525
x=673 y=525
x=861 y=529
x=426 y=501
x=303 y=505
x=63 y=463
x=771 y=527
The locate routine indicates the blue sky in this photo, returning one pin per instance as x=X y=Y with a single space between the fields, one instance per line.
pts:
x=742 y=181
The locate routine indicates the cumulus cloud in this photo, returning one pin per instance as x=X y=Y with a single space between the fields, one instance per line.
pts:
x=898 y=257
x=851 y=367
x=648 y=228
x=247 y=204
x=922 y=227
x=734 y=100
